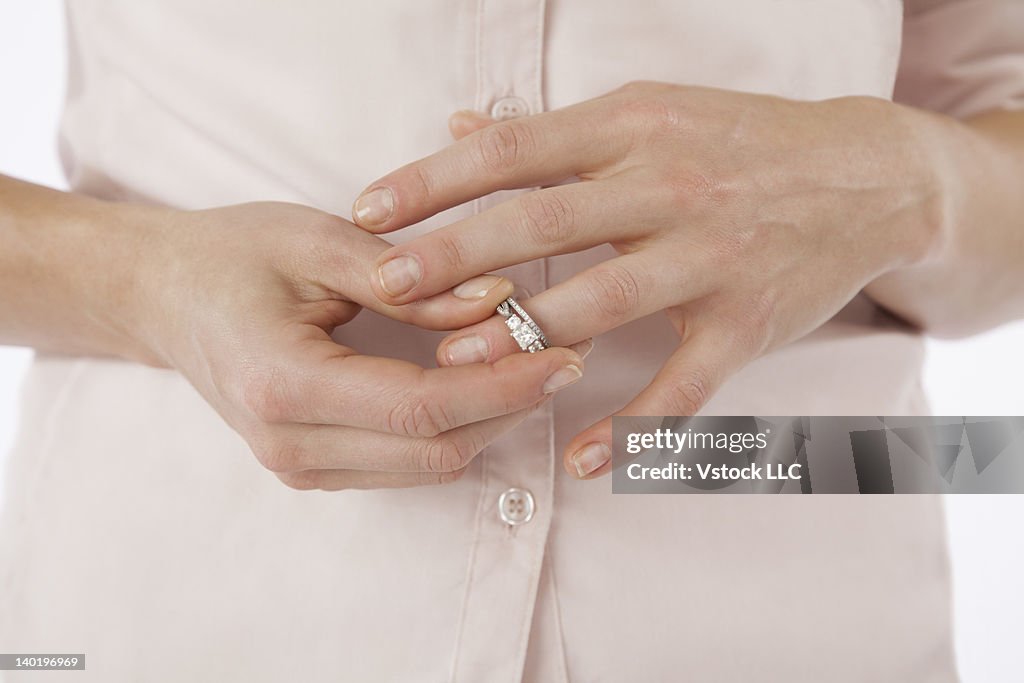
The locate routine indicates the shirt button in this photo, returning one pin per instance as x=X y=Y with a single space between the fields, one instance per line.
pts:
x=509 y=108
x=516 y=506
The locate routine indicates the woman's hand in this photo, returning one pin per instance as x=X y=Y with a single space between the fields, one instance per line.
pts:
x=750 y=220
x=243 y=301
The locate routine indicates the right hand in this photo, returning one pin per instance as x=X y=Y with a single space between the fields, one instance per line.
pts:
x=242 y=301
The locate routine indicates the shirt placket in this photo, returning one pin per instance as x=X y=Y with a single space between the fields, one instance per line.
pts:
x=517 y=472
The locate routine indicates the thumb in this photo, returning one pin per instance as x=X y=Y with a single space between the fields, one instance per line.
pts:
x=466 y=121
x=344 y=263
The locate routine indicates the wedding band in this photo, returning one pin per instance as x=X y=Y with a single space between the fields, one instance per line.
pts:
x=520 y=325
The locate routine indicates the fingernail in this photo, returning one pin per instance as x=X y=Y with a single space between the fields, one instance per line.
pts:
x=590 y=458
x=562 y=378
x=400 y=274
x=375 y=207
x=476 y=288
x=583 y=348
x=466 y=350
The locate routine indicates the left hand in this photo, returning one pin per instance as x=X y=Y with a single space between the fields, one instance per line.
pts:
x=749 y=219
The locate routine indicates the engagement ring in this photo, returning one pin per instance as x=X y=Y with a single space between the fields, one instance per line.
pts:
x=527 y=333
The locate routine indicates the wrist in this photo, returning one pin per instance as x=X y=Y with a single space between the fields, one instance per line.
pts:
x=120 y=285
x=934 y=184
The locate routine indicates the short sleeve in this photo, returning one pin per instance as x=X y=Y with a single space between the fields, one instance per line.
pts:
x=962 y=57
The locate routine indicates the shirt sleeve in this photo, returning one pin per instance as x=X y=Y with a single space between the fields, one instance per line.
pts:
x=962 y=57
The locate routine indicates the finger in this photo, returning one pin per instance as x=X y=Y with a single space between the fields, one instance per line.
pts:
x=298 y=447
x=551 y=221
x=537 y=150
x=466 y=303
x=340 y=480
x=336 y=387
x=682 y=387
x=342 y=269
x=588 y=304
x=467 y=121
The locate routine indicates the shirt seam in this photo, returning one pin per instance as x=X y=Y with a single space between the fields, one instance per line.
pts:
x=480 y=55
x=535 y=572
x=471 y=565
x=538 y=58
x=557 y=607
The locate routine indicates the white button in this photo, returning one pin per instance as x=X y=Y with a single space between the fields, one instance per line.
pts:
x=509 y=108
x=516 y=506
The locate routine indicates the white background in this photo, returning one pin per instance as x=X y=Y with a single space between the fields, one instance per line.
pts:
x=980 y=376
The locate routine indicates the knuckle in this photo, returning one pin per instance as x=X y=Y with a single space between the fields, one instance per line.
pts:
x=316 y=245
x=757 y=321
x=419 y=417
x=504 y=148
x=452 y=251
x=448 y=454
x=660 y=117
x=548 y=218
x=631 y=88
x=690 y=391
x=418 y=184
x=687 y=188
x=277 y=456
x=313 y=227
x=263 y=395
x=636 y=91
x=615 y=292
x=299 y=481
x=644 y=107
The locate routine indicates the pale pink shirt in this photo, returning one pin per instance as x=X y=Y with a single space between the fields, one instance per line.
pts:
x=141 y=531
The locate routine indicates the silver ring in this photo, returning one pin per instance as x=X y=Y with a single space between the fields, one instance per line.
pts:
x=520 y=325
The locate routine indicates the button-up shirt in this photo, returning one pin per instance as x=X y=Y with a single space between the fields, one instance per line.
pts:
x=141 y=531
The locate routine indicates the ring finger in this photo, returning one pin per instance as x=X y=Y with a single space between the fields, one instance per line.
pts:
x=590 y=303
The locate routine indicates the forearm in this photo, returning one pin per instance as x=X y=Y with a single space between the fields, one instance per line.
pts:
x=972 y=278
x=70 y=279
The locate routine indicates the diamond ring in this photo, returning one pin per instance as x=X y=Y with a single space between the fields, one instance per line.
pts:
x=527 y=333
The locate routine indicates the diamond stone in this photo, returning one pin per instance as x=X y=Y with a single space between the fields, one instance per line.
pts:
x=524 y=335
x=513 y=321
